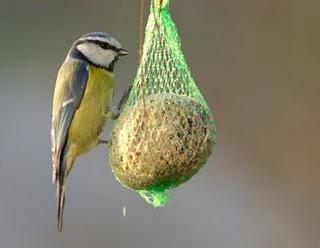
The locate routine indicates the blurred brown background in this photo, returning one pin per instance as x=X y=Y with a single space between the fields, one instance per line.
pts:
x=257 y=62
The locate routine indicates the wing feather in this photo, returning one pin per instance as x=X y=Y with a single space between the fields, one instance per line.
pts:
x=70 y=86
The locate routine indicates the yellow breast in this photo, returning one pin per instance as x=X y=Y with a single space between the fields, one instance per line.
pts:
x=89 y=119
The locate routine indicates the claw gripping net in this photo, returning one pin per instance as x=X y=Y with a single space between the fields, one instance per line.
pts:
x=166 y=130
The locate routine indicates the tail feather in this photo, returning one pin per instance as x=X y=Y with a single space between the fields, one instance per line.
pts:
x=61 y=189
x=55 y=167
x=60 y=174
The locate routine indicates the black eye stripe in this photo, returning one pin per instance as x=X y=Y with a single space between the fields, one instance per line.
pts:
x=104 y=45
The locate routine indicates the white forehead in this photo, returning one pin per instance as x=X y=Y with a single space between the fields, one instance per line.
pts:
x=110 y=40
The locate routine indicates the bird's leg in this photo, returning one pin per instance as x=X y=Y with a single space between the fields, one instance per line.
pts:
x=114 y=112
x=124 y=97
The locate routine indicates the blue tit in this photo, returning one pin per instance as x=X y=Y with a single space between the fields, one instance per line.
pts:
x=81 y=104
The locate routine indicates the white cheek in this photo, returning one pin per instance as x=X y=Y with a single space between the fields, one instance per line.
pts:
x=96 y=54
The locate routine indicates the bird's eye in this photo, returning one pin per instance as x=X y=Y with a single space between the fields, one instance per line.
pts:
x=105 y=45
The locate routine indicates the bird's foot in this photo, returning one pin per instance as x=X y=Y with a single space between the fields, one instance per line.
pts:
x=112 y=113
x=101 y=141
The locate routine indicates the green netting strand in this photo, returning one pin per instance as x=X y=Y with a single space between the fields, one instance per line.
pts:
x=163 y=68
x=166 y=130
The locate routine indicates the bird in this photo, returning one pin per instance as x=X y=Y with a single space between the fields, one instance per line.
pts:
x=82 y=103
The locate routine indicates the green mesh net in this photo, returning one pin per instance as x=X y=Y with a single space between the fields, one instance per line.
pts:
x=166 y=130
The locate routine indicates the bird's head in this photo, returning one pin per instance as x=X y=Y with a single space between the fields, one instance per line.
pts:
x=99 y=49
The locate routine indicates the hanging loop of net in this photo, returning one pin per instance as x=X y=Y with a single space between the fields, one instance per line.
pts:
x=163 y=67
x=166 y=131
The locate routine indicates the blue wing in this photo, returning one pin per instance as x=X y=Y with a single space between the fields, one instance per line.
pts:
x=70 y=87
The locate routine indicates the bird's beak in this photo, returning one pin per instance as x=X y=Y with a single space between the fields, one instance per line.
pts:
x=122 y=52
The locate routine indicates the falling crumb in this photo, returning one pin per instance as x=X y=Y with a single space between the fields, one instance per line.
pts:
x=124 y=211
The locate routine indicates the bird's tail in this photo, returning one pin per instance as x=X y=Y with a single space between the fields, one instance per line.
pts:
x=60 y=175
x=61 y=190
